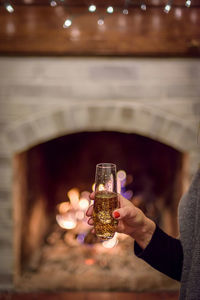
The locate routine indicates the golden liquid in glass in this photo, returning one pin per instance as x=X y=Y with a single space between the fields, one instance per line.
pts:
x=104 y=204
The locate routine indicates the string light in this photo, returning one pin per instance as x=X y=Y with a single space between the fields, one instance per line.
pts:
x=9 y=8
x=188 y=3
x=53 y=3
x=75 y=34
x=194 y=16
x=67 y=23
x=10 y=28
x=100 y=22
x=125 y=11
x=110 y=9
x=143 y=7
x=178 y=13
x=92 y=8
x=167 y=8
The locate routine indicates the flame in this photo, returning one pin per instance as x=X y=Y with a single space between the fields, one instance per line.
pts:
x=63 y=207
x=73 y=195
x=84 y=204
x=80 y=215
x=85 y=194
x=67 y=221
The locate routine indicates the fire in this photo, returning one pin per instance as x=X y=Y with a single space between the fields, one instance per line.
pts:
x=89 y=261
x=63 y=207
x=83 y=204
x=73 y=195
x=72 y=214
x=66 y=221
x=80 y=215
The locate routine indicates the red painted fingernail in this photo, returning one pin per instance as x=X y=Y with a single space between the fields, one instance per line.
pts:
x=116 y=214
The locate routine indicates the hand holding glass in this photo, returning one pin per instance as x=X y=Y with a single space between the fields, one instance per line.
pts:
x=106 y=200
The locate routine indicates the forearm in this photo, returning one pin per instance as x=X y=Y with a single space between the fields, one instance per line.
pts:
x=147 y=232
x=144 y=233
x=163 y=253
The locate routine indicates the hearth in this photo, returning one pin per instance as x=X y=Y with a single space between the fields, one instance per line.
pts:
x=54 y=246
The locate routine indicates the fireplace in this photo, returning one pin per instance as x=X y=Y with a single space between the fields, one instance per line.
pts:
x=52 y=181
x=58 y=102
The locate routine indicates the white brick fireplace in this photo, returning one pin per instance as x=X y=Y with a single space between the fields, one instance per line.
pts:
x=45 y=98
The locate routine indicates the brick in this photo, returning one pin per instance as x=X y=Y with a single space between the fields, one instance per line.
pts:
x=80 y=118
x=46 y=127
x=4 y=149
x=6 y=260
x=5 y=177
x=5 y=195
x=196 y=108
x=112 y=72
x=6 y=282
x=127 y=114
x=185 y=90
x=6 y=215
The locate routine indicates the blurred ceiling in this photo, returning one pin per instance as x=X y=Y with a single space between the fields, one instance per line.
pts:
x=35 y=27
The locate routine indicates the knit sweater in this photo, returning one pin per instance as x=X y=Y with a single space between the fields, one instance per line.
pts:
x=179 y=259
x=189 y=220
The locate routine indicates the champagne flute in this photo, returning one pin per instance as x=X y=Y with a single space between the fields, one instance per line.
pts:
x=106 y=200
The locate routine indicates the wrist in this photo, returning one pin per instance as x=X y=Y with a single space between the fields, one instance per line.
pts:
x=145 y=233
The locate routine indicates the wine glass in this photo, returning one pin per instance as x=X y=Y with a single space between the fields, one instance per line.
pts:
x=106 y=200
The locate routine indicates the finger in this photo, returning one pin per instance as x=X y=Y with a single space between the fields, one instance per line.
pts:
x=92 y=195
x=120 y=227
x=89 y=212
x=124 y=212
x=123 y=201
x=91 y=222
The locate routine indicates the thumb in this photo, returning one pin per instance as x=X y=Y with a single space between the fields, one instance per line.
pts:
x=124 y=212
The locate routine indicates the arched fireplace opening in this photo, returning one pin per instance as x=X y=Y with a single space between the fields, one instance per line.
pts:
x=50 y=257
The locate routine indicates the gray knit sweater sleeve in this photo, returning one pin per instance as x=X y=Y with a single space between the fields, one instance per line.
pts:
x=189 y=221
